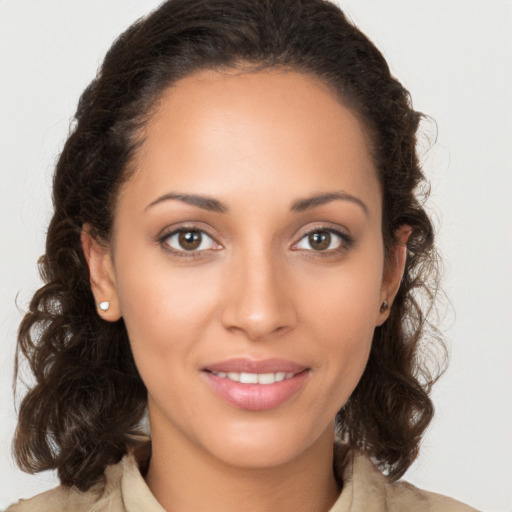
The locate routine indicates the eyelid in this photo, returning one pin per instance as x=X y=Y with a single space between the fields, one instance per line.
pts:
x=174 y=230
x=346 y=239
x=342 y=233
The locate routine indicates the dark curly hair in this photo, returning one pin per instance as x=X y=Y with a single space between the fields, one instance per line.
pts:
x=85 y=409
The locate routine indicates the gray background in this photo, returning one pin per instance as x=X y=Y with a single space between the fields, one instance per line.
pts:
x=455 y=56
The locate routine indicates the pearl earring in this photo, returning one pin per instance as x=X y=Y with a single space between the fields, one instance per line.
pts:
x=104 y=305
x=384 y=306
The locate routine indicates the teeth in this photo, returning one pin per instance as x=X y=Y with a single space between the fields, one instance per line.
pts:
x=266 y=378
x=255 y=378
x=249 y=378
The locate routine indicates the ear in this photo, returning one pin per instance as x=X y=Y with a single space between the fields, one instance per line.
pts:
x=393 y=272
x=102 y=276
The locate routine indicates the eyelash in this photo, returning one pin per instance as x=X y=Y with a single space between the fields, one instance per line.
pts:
x=346 y=241
x=182 y=253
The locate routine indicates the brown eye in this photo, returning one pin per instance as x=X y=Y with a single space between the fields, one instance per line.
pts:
x=328 y=241
x=189 y=240
x=319 y=240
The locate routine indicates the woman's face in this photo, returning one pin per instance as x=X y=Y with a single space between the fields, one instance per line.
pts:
x=247 y=263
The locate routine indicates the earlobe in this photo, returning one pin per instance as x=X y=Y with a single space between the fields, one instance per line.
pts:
x=102 y=277
x=394 y=272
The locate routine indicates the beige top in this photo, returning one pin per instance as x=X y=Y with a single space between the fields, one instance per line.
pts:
x=365 y=489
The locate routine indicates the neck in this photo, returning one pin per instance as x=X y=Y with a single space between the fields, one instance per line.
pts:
x=183 y=477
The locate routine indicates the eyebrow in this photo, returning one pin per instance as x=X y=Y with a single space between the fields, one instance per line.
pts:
x=214 y=205
x=320 y=199
x=204 y=202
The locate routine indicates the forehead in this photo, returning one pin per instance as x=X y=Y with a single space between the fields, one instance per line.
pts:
x=260 y=130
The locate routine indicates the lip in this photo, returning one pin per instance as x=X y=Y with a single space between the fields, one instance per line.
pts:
x=256 y=397
x=254 y=366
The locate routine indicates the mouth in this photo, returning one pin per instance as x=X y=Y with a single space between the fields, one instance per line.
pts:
x=256 y=385
x=255 y=378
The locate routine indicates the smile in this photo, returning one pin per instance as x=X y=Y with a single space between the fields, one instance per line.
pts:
x=256 y=385
x=255 y=378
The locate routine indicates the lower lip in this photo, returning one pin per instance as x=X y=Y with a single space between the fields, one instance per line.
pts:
x=256 y=397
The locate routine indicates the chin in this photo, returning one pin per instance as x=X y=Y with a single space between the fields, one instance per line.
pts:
x=262 y=448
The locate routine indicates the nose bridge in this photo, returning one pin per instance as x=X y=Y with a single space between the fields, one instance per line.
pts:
x=258 y=302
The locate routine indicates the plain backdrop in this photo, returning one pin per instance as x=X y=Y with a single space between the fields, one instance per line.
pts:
x=455 y=56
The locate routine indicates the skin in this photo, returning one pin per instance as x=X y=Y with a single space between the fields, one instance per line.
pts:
x=256 y=288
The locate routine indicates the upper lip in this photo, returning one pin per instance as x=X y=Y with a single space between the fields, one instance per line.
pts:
x=245 y=365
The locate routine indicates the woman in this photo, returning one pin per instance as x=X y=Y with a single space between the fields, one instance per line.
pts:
x=237 y=248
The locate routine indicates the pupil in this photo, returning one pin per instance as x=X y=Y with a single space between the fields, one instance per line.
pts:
x=190 y=240
x=320 y=240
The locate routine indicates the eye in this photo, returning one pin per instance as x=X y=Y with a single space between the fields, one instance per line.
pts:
x=189 y=240
x=323 y=240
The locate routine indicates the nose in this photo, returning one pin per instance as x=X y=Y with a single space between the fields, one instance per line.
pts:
x=259 y=301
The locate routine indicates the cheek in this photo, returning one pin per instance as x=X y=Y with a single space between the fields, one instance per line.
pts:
x=345 y=329
x=345 y=300
x=342 y=309
x=165 y=309
x=346 y=340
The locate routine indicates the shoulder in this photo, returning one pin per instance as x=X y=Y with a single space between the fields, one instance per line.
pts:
x=102 y=496
x=366 y=488
x=122 y=488
x=56 y=500
x=403 y=495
